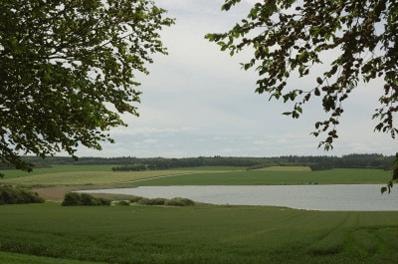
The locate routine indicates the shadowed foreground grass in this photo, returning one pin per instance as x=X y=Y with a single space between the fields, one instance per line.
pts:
x=199 y=234
x=13 y=258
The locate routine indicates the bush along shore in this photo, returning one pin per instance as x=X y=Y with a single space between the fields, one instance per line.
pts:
x=75 y=199
x=177 y=201
x=16 y=195
x=84 y=199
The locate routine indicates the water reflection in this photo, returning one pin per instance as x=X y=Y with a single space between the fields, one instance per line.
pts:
x=346 y=197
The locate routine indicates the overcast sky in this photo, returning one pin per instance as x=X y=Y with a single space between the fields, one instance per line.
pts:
x=198 y=101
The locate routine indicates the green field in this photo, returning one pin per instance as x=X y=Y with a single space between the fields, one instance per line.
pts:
x=13 y=258
x=199 y=234
x=97 y=175
x=104 y=176
x=50 y=233
x=55 y=169
x=266 y=177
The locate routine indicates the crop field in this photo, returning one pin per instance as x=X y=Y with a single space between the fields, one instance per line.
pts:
x=88 y=177
x=285 y=168
x=265 y=177
x=50 y=233
x=198 y=234
x=97 y=175
x=13 y=258
x=8 y=174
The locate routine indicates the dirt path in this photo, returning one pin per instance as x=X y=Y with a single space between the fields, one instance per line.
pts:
x=54 y=193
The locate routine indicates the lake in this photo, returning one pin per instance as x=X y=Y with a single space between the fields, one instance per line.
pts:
x=337 y=197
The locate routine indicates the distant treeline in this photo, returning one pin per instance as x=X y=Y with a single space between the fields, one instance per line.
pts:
x=315 y=162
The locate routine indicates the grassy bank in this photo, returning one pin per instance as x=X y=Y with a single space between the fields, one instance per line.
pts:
x=200 y=234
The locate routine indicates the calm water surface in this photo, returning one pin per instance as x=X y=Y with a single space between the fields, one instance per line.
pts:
x=346 y=197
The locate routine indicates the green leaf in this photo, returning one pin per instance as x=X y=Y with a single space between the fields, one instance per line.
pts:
x=63 y=63
x=383 y=189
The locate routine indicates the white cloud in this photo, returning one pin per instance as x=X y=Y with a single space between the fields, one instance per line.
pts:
x=197 y=101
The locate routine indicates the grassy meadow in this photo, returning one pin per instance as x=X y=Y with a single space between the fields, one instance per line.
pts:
x=8 y=174
x=97 y=175
x=268 y=177
x=49 y=233
x=13 y=258
x=198 y=234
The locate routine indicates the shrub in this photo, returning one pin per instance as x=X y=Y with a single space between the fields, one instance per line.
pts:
x=122 y=202
x=73 y=199
x=178 y=201
x=133 y=167
x=154 y=201
x=87 y=199
x=135 y=199
x=318 y=167
x=15 y=195
x=103 y=201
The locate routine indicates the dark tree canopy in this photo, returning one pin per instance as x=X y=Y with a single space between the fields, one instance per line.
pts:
x=288 y=37
x=67 y=71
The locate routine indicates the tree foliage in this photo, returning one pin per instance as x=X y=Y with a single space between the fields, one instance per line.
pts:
x=289 y=37
x=394 y=178
x=67 y=71
x=79 y=199
x=16 y=195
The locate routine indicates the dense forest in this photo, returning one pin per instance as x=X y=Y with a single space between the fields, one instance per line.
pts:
x=132 y=163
